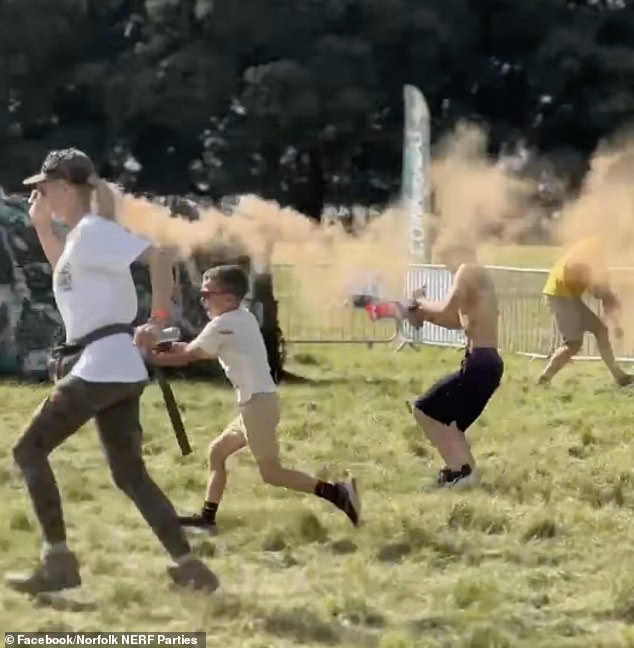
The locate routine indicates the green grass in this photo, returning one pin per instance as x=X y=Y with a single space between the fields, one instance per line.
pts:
x=538 y=556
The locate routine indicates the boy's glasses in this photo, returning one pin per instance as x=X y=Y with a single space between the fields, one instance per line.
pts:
x=206 y=294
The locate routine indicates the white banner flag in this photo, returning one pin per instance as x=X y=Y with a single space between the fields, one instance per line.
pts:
x=415 y=181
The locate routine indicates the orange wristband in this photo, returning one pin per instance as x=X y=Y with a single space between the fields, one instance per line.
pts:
x=159 y=314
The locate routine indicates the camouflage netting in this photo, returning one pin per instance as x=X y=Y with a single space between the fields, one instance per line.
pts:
x=30 y=324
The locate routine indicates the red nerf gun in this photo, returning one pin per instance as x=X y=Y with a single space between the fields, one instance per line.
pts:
x=393 y=308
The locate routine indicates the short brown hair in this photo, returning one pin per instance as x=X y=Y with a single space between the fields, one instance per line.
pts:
x=231 y=278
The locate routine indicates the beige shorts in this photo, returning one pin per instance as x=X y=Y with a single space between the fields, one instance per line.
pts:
x=573 y=317
x=256 y=426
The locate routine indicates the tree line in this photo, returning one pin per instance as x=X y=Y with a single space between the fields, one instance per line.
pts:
x=301 y=100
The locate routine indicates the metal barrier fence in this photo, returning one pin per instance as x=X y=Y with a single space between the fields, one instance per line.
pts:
x=336 y=322
x=526 y=325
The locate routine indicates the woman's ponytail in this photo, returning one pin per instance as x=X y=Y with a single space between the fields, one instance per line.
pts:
x=105 y=199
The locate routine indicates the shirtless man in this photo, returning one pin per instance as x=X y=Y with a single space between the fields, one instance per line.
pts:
x=452 y=405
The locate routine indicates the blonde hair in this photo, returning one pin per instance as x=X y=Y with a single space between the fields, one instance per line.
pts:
x=100 y=197
x=105 y=199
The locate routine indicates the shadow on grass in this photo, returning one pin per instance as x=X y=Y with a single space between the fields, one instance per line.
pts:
x=352 y=625
x=288 y=378
x=9 y=380
x=302 y=625
x=218 y=380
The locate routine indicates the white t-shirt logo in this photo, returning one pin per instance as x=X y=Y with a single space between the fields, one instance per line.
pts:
x=64 y=278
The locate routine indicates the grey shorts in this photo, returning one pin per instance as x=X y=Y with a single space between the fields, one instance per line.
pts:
x=573 y=317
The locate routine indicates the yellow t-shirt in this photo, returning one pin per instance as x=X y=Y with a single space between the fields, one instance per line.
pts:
x=580 y=268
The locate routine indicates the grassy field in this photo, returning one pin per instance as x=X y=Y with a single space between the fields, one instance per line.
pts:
x=539 y=555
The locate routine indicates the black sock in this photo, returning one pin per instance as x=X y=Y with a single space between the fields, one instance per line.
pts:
x=464 y=471
x=327 y=491
x=209 y=511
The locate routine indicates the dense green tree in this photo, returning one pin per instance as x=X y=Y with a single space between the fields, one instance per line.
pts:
x=302 y=101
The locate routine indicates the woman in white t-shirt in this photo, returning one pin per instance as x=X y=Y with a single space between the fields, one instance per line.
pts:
x=105 y=376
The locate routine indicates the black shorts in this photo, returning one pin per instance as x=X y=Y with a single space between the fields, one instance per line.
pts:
x=462 y=396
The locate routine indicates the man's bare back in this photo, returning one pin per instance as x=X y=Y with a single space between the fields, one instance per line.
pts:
x=477 y=306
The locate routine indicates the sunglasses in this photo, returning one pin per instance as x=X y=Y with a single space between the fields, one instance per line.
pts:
x=206 y=294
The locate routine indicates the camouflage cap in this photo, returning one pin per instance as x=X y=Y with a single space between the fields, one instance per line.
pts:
x=70 y=164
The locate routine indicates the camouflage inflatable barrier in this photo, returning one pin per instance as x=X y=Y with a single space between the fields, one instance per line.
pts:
x=30 y=324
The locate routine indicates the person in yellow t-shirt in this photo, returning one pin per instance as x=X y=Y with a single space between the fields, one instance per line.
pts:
x=582 y=269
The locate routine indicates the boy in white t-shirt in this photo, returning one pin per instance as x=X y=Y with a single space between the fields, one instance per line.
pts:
x=234 y=338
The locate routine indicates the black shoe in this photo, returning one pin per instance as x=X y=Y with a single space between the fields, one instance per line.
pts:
x=56 y=572
x=198 y=521
x=349 y=501
x=445 y=475
x=463 y=477
x=195 y=574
